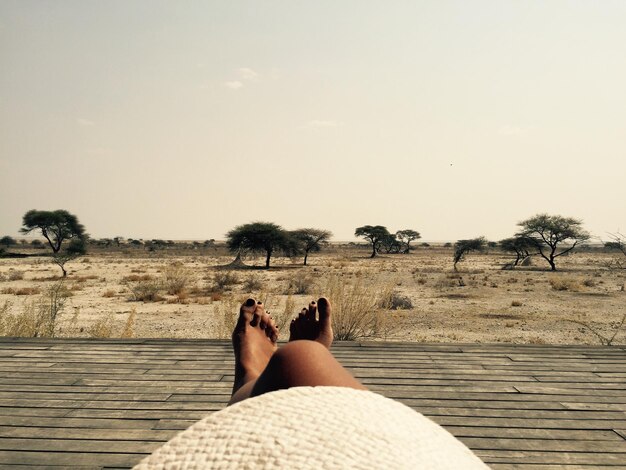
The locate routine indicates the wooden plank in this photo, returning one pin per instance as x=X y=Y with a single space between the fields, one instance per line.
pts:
x=143 y=414
x=117 y=404
x=95 y=434
x=560 y=458
x=526 y=414
x=528 y=423
x=78 y=445
x=174 y=424
x=596 y=406
x=533 y=433
x=532 y=466
x=545 y=445
x=69 y=459
x=78 y=422
x=33 y=411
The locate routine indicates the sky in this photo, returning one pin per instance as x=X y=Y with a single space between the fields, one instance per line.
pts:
x=181 y=120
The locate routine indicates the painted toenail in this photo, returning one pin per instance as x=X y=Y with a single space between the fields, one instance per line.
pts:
x=249 y=302
x=260 y=303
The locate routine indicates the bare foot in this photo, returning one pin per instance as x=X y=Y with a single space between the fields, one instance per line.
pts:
x=254 y=342
x=307 y=327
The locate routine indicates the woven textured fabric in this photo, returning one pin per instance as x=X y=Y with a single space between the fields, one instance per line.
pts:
x=314 y=428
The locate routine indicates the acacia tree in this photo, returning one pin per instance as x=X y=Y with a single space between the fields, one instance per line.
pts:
x=8 y=241
x=310 y=240
x=463 y=247
x=521 y=246
x=58 y=227
x=546 y=232
x=264 y=237
x=390 y=244
x=405 y=237
x=375 y=234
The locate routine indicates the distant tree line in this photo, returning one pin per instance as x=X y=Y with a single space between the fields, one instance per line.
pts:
x=269 y=239
x=382 y=240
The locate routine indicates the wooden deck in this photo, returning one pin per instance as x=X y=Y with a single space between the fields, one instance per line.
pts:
x=106 y=404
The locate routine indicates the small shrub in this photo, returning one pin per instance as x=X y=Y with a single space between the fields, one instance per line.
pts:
x=252 y=283
x=145 y=291
x=589 y=283
x=566 y=284
x=137 y=277
x=15 y=275
x=516 y=303
x=176 y=278
x=356 y=311
x=102 y=328
x=21 y=290
x=395 y=301
x=224 y=280
x=38 y=318
x=299 y=284
x=109 y=293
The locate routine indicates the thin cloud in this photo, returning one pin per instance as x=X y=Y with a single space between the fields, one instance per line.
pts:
x=248 y=74
x=320 y=124
x=85 y=122
x=511 y=130
x=233 y=85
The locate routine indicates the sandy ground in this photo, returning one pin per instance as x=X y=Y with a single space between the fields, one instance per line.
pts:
x=480 y=303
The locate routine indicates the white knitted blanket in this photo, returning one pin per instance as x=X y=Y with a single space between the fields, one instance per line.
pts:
x=314 y=428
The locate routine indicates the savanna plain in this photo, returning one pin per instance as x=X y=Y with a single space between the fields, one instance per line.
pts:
x=194 y=292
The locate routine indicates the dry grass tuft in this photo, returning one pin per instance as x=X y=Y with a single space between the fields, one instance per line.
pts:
x=21 y=290
x=356 y=310
x=300 y=284
x=570 y=284
x=102 y=328
x=226 y=315
x=129 y=327
x=176 y=278
x=38 y=318
x=137 y=278
x=224 y=280
x=252 y=283
x=109 y=293
x=15 y=275
x=145 y=291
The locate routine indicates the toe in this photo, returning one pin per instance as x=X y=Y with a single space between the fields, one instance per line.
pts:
x=272 y=331
x=311 y=312
x=256 y=320
x=303 y=313
x=264 y=318
x=324 y=308
x=246 y=312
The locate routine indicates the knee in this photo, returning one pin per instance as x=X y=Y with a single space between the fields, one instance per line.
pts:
x=301 y=351
x=299 y=355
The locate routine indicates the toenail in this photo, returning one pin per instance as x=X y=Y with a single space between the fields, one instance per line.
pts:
x=260 y=303
x=249 y=302
x=313 y=302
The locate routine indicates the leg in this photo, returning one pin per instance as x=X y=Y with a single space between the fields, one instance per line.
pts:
x=305 y=361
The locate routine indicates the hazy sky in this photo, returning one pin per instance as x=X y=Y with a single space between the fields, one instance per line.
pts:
x=180 y=120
